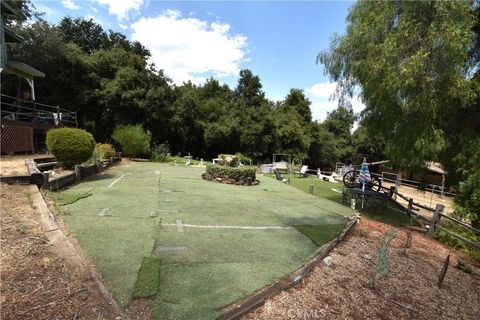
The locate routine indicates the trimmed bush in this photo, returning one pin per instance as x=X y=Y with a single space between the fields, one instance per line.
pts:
x=133 y=139
x=105 y=151
x=237 y=174
x=70 y=146
x=228 y=160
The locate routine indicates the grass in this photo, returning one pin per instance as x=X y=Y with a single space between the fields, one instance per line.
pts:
x=28 y=194
x=323 y=189
x=217 y=266
x=63 y=199
x=320 y=234
x=451 y=241
x=148 y=278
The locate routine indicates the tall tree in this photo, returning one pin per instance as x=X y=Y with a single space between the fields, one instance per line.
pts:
x=297 y=100
x=409 y=59
x=340 y=123
x=249 y=89
x=416 y=63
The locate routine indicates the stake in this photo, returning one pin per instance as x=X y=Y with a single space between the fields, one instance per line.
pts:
x=444 y=271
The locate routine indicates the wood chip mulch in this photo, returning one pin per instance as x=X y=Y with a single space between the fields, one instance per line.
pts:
x=36 y=282
x=408 y=291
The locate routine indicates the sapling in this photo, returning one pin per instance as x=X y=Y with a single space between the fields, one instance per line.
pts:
x=383 y=264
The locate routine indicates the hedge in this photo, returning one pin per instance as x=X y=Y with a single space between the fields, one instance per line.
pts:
x=236 y=173
x=70 y=146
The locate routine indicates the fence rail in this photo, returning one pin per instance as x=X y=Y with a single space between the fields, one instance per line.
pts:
x=435 y=222
x=27 y=111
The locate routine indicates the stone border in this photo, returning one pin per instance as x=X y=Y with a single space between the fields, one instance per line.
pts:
x=239 y=309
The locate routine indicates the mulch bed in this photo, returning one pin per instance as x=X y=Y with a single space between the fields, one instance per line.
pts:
x=409 y=291
x=36 y=282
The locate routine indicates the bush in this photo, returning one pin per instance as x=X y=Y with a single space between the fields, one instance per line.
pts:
x=105 y=151
x=238 y=174
x=133 y=139
x=70 y=146
x=245 y=160
x=160 y=153
x=228 y=160
x=453 y=242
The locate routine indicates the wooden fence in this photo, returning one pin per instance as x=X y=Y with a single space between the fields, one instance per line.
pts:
x=434 y=223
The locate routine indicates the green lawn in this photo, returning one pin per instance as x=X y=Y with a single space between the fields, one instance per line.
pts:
x=323 y=189
x=132 y=215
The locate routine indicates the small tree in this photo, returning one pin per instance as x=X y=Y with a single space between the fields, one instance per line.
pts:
x=70 y=146
x=133 y=139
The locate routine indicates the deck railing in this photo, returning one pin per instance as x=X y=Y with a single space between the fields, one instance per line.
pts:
x=27 y=111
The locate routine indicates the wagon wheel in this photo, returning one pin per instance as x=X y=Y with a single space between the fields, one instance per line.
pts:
x=376 y=184
x=350 y=179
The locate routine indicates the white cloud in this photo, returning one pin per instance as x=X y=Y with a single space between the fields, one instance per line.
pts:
x=321 y=95
x=123 y=26
x=322 y=90
x=122 y=8
x=189 y=48
x=69 y=4
x=95 y=19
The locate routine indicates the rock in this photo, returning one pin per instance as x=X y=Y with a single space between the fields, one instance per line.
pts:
x=367 y=257
x=328 y=261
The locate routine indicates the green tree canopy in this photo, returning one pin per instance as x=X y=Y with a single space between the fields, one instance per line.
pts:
x=409 y=59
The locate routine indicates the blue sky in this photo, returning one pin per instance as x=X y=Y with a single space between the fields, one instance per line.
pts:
x=193 y=40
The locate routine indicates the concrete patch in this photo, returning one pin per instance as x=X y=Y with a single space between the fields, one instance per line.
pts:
x=103 y=212
x=179 y=225
x=336 y=190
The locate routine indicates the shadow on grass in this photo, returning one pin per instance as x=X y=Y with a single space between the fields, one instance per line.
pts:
x=320 y=234
x=323 y=189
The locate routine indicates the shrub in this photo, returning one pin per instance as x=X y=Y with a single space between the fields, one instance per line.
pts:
x=105 y=151
x=243 y=158
x=133 y=139
x=238 y=174
x=228 y=160
x=451 y=241
x=70 y=146
x=160 y=153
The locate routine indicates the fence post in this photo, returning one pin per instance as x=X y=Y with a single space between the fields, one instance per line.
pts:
x=391 y=192
x=78 y=172
x=435 y=219
x=410 y=206
x=311 y=189
x=58 y=116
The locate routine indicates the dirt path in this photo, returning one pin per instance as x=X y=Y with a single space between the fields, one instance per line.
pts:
x=37 y=282
x=409 y=291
